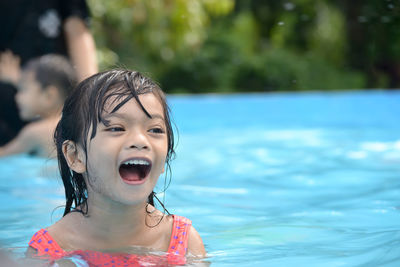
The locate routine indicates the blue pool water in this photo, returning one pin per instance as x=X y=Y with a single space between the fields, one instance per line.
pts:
x=307 y=179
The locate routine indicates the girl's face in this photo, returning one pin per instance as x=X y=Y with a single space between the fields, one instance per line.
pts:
x=127 y=155
x=29 y=97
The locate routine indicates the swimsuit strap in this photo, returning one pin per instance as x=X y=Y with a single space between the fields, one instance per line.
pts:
x=45 y=245
x=179 y=239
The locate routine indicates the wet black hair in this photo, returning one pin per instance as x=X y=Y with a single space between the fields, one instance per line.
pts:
x=53 y=69
x=83 y=110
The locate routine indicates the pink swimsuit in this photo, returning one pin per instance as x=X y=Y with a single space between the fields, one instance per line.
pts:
x=47 y=247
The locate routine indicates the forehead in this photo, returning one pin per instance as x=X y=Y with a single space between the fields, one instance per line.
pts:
x=149 y=101
x=28 y=80
x=28 y=75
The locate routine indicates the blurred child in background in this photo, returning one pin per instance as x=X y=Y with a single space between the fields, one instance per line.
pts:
x=35 y=28
x=44 y=85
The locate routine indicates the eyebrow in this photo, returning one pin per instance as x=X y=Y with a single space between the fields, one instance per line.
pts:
x=126 y=117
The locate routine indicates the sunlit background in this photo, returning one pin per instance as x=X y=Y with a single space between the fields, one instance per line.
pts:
x=250 y=45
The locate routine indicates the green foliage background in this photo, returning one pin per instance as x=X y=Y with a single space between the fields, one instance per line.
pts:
x=196 y=46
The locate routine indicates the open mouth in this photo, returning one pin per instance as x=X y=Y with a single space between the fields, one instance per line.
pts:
x=134 y=170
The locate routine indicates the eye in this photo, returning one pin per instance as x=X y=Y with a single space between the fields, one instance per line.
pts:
x=157 y=130
x=115 y=129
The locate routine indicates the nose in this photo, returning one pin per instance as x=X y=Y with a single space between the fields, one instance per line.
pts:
x=137 y=140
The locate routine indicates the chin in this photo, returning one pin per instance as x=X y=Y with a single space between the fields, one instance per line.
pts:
x=131 y=198
x=26 y=116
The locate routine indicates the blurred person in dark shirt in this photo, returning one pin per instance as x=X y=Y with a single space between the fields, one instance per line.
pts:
x=32 y=28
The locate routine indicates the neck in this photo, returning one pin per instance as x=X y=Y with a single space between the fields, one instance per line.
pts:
x=115 y=222
x=52 y=113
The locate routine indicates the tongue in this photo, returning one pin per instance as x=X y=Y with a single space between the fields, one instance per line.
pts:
x=129 y=173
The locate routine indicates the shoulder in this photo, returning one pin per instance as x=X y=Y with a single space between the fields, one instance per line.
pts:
x=37 y=133
x=42 y=244
x=25 y=141
x=33 y=136
x=195 y=243
x=65 y=231
x=32 y=129
x=41 y=136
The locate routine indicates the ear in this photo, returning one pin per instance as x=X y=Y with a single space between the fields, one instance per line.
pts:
x=74 y=156
x=51 y=93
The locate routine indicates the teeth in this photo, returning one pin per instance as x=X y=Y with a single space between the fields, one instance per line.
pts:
x=136 y=162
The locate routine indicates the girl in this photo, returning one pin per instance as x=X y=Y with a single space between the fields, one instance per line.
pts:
x=113 y=141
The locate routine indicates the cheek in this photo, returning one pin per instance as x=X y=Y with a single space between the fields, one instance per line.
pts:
x=20 y=98
x=26 y=101
x=94 y=173
x=100 y=157
x=163 y=156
